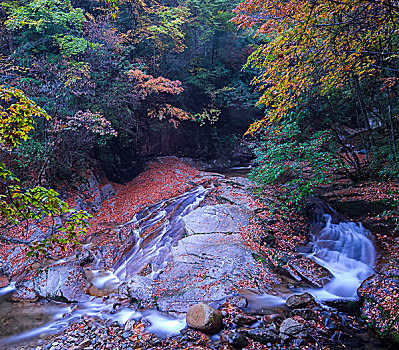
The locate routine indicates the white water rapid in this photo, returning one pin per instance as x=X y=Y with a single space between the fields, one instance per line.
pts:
x=345 y=249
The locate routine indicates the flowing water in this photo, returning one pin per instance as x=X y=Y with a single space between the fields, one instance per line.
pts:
x=157 y=230
x=344 y=248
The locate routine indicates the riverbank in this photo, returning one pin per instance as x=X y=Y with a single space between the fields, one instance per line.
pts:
x=236 y=249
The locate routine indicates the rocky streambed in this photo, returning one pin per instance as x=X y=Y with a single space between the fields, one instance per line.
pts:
x=202 y=253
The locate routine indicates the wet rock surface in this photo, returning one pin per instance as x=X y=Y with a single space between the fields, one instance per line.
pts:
x=299 y=301
x=240 y=331
x=292 y=328
x=136 y=289
x=262 y=335
x=236 y=340
x=209 y=266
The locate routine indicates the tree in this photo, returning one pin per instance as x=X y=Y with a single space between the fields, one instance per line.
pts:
x=60 y=24
x=27 y=206
x=320 y=45
x=313 y=51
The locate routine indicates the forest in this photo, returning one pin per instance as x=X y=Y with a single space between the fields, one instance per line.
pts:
x=188 y=174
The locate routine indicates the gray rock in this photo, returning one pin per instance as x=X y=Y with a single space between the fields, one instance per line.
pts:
x=243 y=319
x=290 y=328
x=65 y=282
x=204 y=318
x=224 y=218
x=262 y=335
x=37 y=234
x=300 y=301
x=25 y=293
x=307 y=314
x=242 y=181
x=97 y=200
x=137 y=288
x=14 y=262
x=236 y=340
x=92 y=182
x=238 y=301
x=207 y=268
x=107 y=192
x=237 y=196
x=303 y=268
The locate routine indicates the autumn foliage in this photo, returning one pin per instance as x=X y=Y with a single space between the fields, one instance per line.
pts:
x=317 y=46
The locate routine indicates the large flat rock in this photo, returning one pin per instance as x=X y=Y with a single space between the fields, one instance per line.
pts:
x=220 y=218
x=208 y=268
x=63 y=282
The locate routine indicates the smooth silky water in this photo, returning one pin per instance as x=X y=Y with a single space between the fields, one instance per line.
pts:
x=344 y=248
x=156 y=230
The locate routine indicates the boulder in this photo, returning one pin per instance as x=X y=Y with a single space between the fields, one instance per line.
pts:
x=63 y=282
x=300 y=301
x=92 y=182
x=275 y=319
x=107 y=192
x=223 y=218
x=96 y=201
x=13 y=260
x=37 y=234
x=137 y=289
x=236 y=340
x=243 y=319
x=204 y=318
x=238 y=301
x=307 y=314
x=25 y=293
x=291 y=328
x=261 y=335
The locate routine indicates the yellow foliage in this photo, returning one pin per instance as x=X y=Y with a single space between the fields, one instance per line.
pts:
x=17 y=114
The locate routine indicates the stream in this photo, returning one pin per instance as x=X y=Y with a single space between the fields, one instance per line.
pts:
x=157 y=229
x=344 y=248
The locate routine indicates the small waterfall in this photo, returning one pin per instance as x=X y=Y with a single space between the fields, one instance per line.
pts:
x=346 y=250
x=158 y=229
x=343 y=248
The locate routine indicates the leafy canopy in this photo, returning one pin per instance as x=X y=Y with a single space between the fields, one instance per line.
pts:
x=318 y=45
x=56 y=19
x=19 y=205
x=299 y=158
